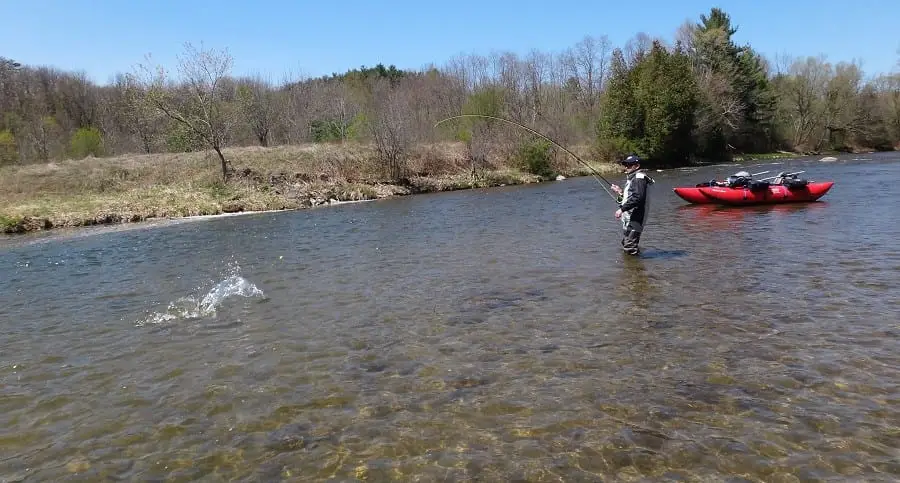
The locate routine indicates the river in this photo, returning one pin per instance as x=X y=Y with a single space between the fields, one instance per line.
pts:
x=485 y=335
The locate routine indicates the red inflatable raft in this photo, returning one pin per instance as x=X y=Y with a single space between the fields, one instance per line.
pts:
x=693 y=195
x=773 y=193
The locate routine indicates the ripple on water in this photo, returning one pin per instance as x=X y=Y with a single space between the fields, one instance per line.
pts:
x=425 y=339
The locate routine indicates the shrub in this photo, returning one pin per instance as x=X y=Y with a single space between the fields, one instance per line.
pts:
x=534 y=158
x=86 y=141
x=9 y=151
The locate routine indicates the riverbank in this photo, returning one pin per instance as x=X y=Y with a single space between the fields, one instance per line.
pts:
x=137 y=188
x=764 y=156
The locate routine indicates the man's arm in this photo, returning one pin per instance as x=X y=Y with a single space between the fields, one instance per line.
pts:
x=636 y=196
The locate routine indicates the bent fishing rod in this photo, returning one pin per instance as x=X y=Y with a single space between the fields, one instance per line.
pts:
x=595 y=173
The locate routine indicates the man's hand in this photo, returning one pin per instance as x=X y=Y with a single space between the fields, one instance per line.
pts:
x=618 y=214
x=616 y=188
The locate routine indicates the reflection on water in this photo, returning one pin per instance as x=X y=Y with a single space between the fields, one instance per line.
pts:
x=491 y=335
x=715 y=218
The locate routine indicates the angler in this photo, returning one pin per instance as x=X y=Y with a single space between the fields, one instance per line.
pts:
x=634 y=203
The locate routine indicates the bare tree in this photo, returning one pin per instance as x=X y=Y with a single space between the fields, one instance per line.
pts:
x=295 y=121
x=803 y=99
x=260 y=102
x=535 y=73
x=79 y=99
x=888 y=87
x=390 y=127
x=129 y=115
x=841 y=97
x=684 y=35
x=637 y=47
x=587 y=64
x=206 y=109
x=781 y=64
x=723 y=108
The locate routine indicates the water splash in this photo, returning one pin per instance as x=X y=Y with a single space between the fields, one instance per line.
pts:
x=233 y=285
x=188 y=308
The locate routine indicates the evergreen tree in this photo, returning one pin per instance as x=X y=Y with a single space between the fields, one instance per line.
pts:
x=620 y=119
x=739 y=102
x=650 y=109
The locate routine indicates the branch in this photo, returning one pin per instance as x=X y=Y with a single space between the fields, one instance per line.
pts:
x=178 y=117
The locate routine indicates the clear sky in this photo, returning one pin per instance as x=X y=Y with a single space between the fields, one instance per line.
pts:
x=103 y=37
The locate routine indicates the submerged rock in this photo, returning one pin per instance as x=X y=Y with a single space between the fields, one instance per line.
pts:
x=290 y=437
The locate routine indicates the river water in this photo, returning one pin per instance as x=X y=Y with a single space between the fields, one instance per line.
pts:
x=487 y=335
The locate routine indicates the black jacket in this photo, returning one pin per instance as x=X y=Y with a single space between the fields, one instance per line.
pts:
x=635 y=200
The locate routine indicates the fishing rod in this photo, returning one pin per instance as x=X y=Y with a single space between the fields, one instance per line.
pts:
x=595 y=173
x=782 y=175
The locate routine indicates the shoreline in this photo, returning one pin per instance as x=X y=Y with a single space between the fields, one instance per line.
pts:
x=138 y=188
x=252 y=191
x=12 y=228
x=70 y=232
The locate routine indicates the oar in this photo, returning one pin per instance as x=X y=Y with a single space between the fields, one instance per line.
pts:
x=757 y=174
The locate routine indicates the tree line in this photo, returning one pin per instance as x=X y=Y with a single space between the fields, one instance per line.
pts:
x=700 y=97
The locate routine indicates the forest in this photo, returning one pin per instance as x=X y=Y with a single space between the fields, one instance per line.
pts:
x=699 y=97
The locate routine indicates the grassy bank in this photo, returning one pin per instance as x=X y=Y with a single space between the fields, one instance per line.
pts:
x=744 y=158
x=135 y=188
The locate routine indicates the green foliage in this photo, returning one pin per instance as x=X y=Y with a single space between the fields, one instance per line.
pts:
x=620 y=119
x=486 y=101
x=86 y=141
x=614 y=148
x=182 y=139
x=219 y=190
x=717 y=19
x=334 y=130
x=534 y=158
x=11 y=122
x=745 y=104
x=9 y=224
x=650 y=108
x=667 y=94
x=9 y=150
x=739 y=87
x=325 y=131
x=363 y=73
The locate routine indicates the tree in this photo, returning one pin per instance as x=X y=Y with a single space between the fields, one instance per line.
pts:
x=9 y=87
x=620 y=118
x=205 y=105
x=389 y=122
x=650 y=108
x=801 y=95
x=260 y=103
x=737 y=105
x=477 y=132
x=842 y=96
x=587 y=64
x=888 y=88
x=666 y=95
x=9 y=151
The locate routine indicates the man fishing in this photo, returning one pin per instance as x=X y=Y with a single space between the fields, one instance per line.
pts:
x=633 y=203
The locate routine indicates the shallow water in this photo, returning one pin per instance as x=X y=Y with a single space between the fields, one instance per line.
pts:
x=489 y=335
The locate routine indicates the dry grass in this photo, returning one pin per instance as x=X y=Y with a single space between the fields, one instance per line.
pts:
x=140 y=187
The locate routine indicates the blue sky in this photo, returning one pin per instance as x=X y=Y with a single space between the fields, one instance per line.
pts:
x=103 y=37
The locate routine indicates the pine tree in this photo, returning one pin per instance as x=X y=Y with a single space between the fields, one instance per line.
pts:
x=739 y=102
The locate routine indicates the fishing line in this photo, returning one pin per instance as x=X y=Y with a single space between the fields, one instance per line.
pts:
x=594 y=172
